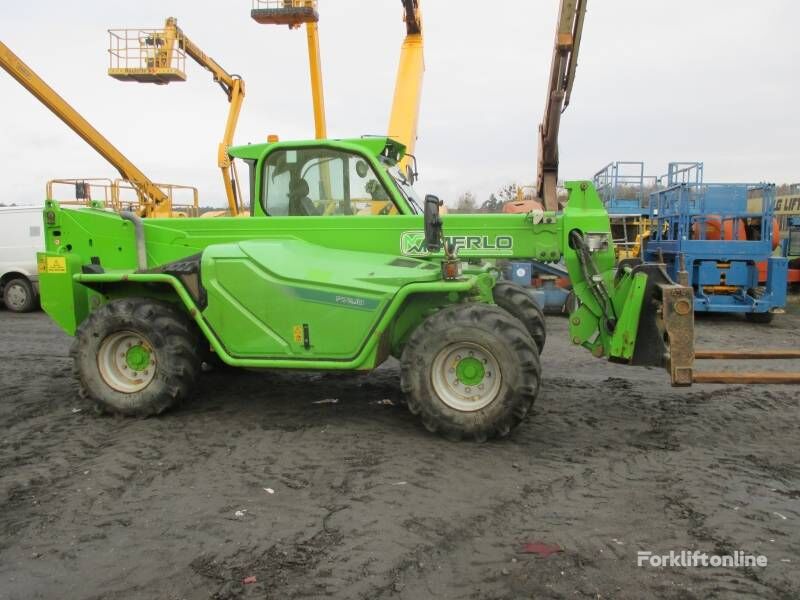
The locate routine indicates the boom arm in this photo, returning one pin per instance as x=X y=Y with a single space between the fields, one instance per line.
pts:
x=562 y=78
x=153 y=199
x=294 y=13
x=317 y=91
x=233 y=86
x=164 y=53
x=408 y=87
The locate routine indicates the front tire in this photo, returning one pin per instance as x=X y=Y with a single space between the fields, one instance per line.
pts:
x=19 y=295
x=514 y=299
x=471 y=371
x=136 y=357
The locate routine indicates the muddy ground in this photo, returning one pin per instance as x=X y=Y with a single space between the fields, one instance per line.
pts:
x=264 y=476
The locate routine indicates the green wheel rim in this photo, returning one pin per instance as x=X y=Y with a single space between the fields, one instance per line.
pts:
x=127 y=362
x=138 y=358
x=466 y=376
x=470 y=371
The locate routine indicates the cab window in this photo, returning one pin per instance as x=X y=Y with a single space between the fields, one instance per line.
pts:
x=321 y=182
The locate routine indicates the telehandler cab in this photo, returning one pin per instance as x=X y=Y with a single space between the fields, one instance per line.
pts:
x=315 y=280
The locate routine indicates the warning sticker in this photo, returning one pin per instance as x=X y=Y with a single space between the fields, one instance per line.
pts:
x=56 y=264
x=41 y=264
x=298 y=334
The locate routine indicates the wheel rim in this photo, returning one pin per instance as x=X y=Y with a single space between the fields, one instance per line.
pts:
x=126 y=362
x=16 y=296
x=466 y=376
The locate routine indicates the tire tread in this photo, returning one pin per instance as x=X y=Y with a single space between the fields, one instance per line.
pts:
x=170 y=330
x=524 y=373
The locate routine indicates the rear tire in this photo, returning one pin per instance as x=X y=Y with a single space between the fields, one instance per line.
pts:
x=471 y=371
x=514 y=299
x=136 y=357
x=19 y=295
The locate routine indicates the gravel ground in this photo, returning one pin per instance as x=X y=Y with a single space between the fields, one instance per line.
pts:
x=316 y=485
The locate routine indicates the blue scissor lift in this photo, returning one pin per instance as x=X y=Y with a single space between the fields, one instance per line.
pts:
x=723 y=272
x=623 y=188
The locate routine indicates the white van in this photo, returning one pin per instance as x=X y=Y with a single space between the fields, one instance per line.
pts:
x=21 y=237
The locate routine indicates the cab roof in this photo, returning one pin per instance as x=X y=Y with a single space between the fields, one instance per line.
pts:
x=385 y=147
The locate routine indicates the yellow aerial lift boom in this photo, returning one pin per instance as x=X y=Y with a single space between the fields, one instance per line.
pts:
x=295 y=13
x=562 y=77
x=404 y=117
x=153 y=201
x=159 y=56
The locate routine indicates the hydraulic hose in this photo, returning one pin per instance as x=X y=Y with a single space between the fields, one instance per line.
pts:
x=594 y=280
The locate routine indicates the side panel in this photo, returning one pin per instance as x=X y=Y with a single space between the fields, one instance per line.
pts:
x=290 y=299
x=92 y=232
x=256 y=314
x=485 y=236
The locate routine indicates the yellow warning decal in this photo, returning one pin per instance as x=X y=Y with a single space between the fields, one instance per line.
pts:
x=56 y=264
x=298 y=333
x=41 y=264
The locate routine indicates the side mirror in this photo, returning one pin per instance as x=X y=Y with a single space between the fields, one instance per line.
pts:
x=433 y=224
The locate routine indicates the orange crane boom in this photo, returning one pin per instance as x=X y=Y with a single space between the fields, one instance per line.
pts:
x=562 y=78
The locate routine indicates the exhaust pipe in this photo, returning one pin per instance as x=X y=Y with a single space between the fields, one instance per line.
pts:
x=141 y=249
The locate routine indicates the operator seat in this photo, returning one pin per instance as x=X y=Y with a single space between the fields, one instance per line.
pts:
x=300 y=205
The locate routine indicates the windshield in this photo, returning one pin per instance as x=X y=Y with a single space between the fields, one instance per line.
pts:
x=408 y=191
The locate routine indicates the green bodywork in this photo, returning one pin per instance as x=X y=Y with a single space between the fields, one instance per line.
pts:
x=325 y=292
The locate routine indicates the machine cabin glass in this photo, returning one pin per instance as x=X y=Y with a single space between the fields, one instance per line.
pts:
x=308 y=182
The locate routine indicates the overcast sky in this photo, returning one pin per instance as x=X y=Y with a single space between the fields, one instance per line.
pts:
x=659 y=80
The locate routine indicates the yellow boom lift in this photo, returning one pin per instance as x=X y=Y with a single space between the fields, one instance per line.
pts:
x=562 y=77
x=152 y=199
x=159 y=56
x=295 y=13
x=404 y=117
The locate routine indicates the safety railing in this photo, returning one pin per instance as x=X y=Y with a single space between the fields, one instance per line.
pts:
x=183 y=200
x=714 y=220
x=121 y=195
x=278 y=4
x=690 y=173
x=146 y=54
x=713 y=212
x=624 y=188
x=80 y=192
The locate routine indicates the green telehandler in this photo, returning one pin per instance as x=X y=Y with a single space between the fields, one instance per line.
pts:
x=340 y=266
